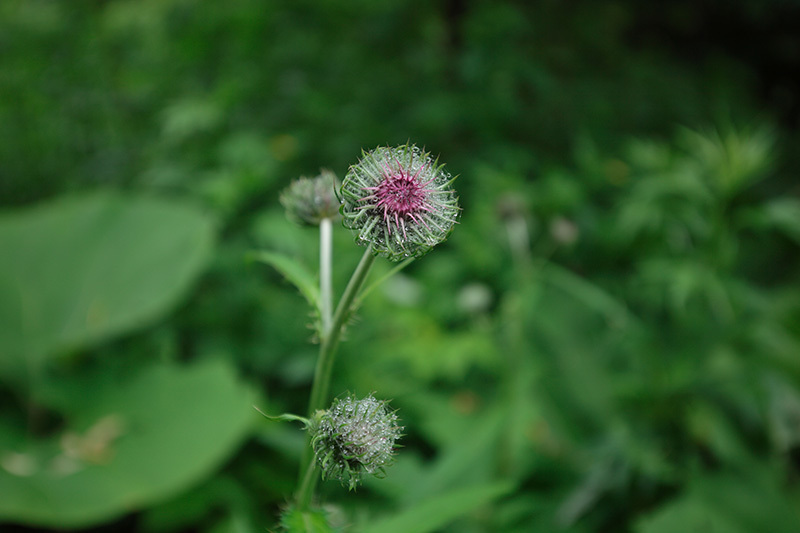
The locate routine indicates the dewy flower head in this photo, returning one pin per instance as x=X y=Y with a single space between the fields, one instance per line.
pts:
x=308 y=200
x=400 y=200
x=354 y=438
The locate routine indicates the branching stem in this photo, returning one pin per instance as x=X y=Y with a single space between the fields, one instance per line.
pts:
x=322 y=375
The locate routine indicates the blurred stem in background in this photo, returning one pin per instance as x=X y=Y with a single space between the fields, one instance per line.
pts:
x=513 y=214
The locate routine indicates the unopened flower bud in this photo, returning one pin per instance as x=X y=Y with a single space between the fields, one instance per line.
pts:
x=400 y=200
x=309 y=200
x=354 y=438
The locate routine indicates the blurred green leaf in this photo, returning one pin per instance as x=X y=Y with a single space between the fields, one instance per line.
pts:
x=589 y=294
x=236 y=522
x=680 y=283
x=708 y=424
x=734 y=159
x=200 y=504
x=433 y=513
x=756 y=497
x=129 y=445
x=294 y=272
x=689 y=515
x=311 y=521
x=81 y=269
x=752 y=502
x=190 y=116
x=782 y=214
x=469 y=459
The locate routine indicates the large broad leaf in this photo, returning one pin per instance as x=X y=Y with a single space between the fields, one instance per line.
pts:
x=83 y=268
x=128 y=446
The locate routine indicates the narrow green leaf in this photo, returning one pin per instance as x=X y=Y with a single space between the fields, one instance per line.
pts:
x=285 y=417
x=594 y=297
x=433 y=513
x=375 y=284
x=294 y=272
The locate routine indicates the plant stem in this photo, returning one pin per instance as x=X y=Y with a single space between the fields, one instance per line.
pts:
x=325 y=285
x=324 y=370
x=322 y=375
x=308 y=480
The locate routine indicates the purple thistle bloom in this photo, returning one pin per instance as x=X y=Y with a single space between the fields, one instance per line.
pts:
x=400 y=200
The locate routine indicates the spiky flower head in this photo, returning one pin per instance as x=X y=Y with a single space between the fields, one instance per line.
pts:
x=400 y=200
x=354 y=438
x=308 y=200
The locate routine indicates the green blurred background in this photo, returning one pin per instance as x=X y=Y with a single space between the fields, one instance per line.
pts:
x=609 y=342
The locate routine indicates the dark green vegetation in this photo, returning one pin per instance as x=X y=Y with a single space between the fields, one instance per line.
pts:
x=609 y=342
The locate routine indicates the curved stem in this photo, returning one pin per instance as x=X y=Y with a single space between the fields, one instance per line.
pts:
x=324 y=370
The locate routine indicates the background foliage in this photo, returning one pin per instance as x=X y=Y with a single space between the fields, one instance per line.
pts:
x=609 y=341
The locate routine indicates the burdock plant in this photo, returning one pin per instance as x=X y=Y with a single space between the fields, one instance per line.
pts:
x=399 y=202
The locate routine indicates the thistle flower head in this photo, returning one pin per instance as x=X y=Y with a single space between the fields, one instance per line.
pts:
x=400 y=200
x=308 y=200
x=354 y=438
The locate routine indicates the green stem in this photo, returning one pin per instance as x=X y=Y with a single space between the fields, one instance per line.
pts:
x=325 y=285
x=324 y=370
x=308 y=480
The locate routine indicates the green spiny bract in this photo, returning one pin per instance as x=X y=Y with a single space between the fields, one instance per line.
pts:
x=354 y=438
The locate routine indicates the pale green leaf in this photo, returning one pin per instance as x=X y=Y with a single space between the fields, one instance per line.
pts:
x=81 y=269
x=128 y=446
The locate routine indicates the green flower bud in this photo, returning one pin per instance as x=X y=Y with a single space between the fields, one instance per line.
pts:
x=309 y=200
x=354 y=438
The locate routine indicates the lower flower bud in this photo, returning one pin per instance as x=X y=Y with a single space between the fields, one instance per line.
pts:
x=354 y=438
